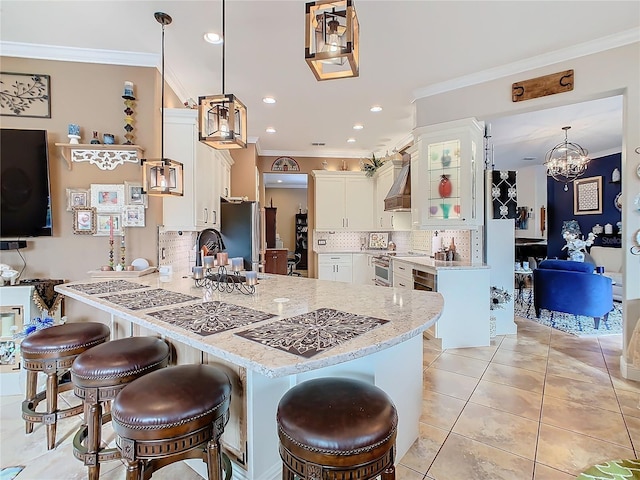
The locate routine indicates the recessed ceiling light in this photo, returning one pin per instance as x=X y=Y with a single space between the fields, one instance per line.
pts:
x=318 y=144
x=351 y=140
x=529 y=159
x=214 y=38
x=376 y=108
x=270 y=130
x=358 y=126
x=269 y=100
x=279 y=181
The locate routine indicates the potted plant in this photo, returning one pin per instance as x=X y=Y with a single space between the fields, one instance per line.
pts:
x=370 y=165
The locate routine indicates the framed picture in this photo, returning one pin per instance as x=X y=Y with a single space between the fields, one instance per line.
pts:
x=107 y=198
x=84 y=220
x=77 y=197
x=133 y=216
x=25 y=95
x=104 y=222
x=587 y=196
x=134 y=194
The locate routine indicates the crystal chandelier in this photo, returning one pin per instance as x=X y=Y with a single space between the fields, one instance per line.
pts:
x=566 y=161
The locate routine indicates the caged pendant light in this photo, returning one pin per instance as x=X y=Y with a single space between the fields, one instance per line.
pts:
x=163 y=176
x=222 y=118
x=332 y=42
x=566 y=161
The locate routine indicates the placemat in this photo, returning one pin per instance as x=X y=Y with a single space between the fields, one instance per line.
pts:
x=210 y=317
x=105 y=287
x=311 y=333
x=157 y=297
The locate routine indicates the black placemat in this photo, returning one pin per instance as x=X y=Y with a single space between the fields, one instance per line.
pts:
x=312 y=333
x=210 y=317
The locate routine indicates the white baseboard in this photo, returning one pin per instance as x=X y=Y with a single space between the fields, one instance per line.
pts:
x=628 y=371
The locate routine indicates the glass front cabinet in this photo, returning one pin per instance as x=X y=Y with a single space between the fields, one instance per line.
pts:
x=447 y=173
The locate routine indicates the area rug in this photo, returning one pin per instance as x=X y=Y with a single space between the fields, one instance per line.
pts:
x=579 y=325
x=613 y=470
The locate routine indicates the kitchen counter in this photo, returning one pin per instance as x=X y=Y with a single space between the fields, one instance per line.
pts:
x=357 y=331
x=436 y=265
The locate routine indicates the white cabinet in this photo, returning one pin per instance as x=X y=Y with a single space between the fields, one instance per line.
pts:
x=343 y=200
x=384 y=178
x=402 y=276
x=337 y=267
x=363 y=270
x=205 y=170
x=225 y=175
x=449 y=180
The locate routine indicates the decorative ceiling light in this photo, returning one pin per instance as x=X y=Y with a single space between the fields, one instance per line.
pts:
x=566 y=161
x=162 y=176
x=222 y=118
x=332 y=39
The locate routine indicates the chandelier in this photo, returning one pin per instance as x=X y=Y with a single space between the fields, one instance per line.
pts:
x=332 y=39
x=162 y=176
x=566 y=161
x=222 y=118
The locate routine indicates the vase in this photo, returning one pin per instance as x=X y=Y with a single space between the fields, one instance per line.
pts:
x=446 y=158
x=445 y=210
x=444 y=187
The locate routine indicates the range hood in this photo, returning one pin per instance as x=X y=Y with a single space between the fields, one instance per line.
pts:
x=399 y=197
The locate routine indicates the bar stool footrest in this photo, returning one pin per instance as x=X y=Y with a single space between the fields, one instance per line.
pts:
x=91 y=459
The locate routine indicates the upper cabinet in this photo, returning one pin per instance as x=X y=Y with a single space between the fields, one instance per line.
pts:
x=206 y=174
x=384 y=178
x=343 y=200
x=448 y=177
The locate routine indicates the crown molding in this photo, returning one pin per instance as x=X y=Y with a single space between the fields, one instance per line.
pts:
x=75 y=54
x=616 y=40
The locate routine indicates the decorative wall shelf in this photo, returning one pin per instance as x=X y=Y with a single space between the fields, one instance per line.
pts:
x=105 y=157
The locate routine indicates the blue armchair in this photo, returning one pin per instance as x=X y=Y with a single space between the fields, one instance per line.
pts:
x=572 y=287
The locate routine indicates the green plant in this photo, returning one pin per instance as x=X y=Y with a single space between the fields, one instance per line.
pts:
x=370 y=165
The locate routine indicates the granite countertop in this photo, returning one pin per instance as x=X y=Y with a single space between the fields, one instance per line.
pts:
x=259 y=331
x=432 y=264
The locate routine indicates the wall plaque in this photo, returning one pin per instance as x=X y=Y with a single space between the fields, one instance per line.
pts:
x=542 y=86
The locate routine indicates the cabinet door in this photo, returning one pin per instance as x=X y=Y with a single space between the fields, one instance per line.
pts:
x=330 y=203
x=178 y=213
x=326 y=271
x=225 y=178
x=344 y=272
x=358 y=203
x=384 y=181
x=205 y=185
x=362 y=269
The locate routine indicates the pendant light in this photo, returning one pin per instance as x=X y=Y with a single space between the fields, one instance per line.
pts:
x=162 y=176
x=566 y=161
x=222 y=118
x=331 y=46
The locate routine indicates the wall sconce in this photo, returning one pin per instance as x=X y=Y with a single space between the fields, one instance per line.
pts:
x=332 y=39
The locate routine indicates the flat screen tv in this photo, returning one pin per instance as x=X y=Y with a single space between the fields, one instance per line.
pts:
x=25 y=197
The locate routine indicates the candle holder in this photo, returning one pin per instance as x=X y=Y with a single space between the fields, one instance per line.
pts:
x=122 y=253
x=223 y=281
x=129 y=105
x=111 y=253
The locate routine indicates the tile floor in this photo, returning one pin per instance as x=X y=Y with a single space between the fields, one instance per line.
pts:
x=539 y=405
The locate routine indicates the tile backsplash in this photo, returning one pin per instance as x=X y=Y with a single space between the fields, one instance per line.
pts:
x=178 y=250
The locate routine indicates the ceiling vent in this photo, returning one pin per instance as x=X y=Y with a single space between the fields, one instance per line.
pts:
x=399 y=197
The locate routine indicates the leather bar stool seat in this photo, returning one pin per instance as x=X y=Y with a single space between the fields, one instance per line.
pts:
x=52 y=351
x=170 y=415
x=98 y=375
x=336 y=429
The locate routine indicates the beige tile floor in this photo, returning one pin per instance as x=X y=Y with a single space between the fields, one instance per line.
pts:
x=539 y=405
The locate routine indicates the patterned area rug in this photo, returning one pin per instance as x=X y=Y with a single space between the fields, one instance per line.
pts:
x=578 y=325
x=613 y=470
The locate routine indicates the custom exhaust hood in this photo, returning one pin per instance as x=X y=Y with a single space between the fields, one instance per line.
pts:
x=399 y=197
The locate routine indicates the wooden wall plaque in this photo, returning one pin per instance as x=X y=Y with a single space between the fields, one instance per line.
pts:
x=542 y=86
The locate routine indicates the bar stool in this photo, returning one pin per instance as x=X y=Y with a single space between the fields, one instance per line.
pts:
x=337 y=428
x=172 y=414
x=98 y=375
x=53 y=351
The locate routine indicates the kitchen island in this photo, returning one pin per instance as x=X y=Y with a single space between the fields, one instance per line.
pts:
x=290 y=330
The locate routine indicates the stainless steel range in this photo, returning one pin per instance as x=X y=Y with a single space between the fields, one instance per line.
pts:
x=382 y=270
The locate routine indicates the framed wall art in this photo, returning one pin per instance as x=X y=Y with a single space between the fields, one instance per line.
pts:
x=77 y=197
x=134 y=194
x=25 y=95
x=84 y=220
x=104 y=221
x=587 y=196
x=107 y=197
x=133 y=216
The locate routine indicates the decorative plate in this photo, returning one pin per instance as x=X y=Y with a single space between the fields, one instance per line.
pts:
x=617 y=202
x=636 y=202
x=638 y=238
x=638 y=170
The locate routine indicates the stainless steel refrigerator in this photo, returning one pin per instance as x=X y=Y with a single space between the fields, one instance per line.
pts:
x=240 y=230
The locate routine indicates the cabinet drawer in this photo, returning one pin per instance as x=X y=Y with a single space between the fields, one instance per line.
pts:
x=401 y=269
x=327 y=258
x=403 y=281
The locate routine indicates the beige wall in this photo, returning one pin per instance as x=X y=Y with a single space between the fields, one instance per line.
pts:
x=243 y=172
x=287 y=201
x=612 y=72
x=89 y=95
